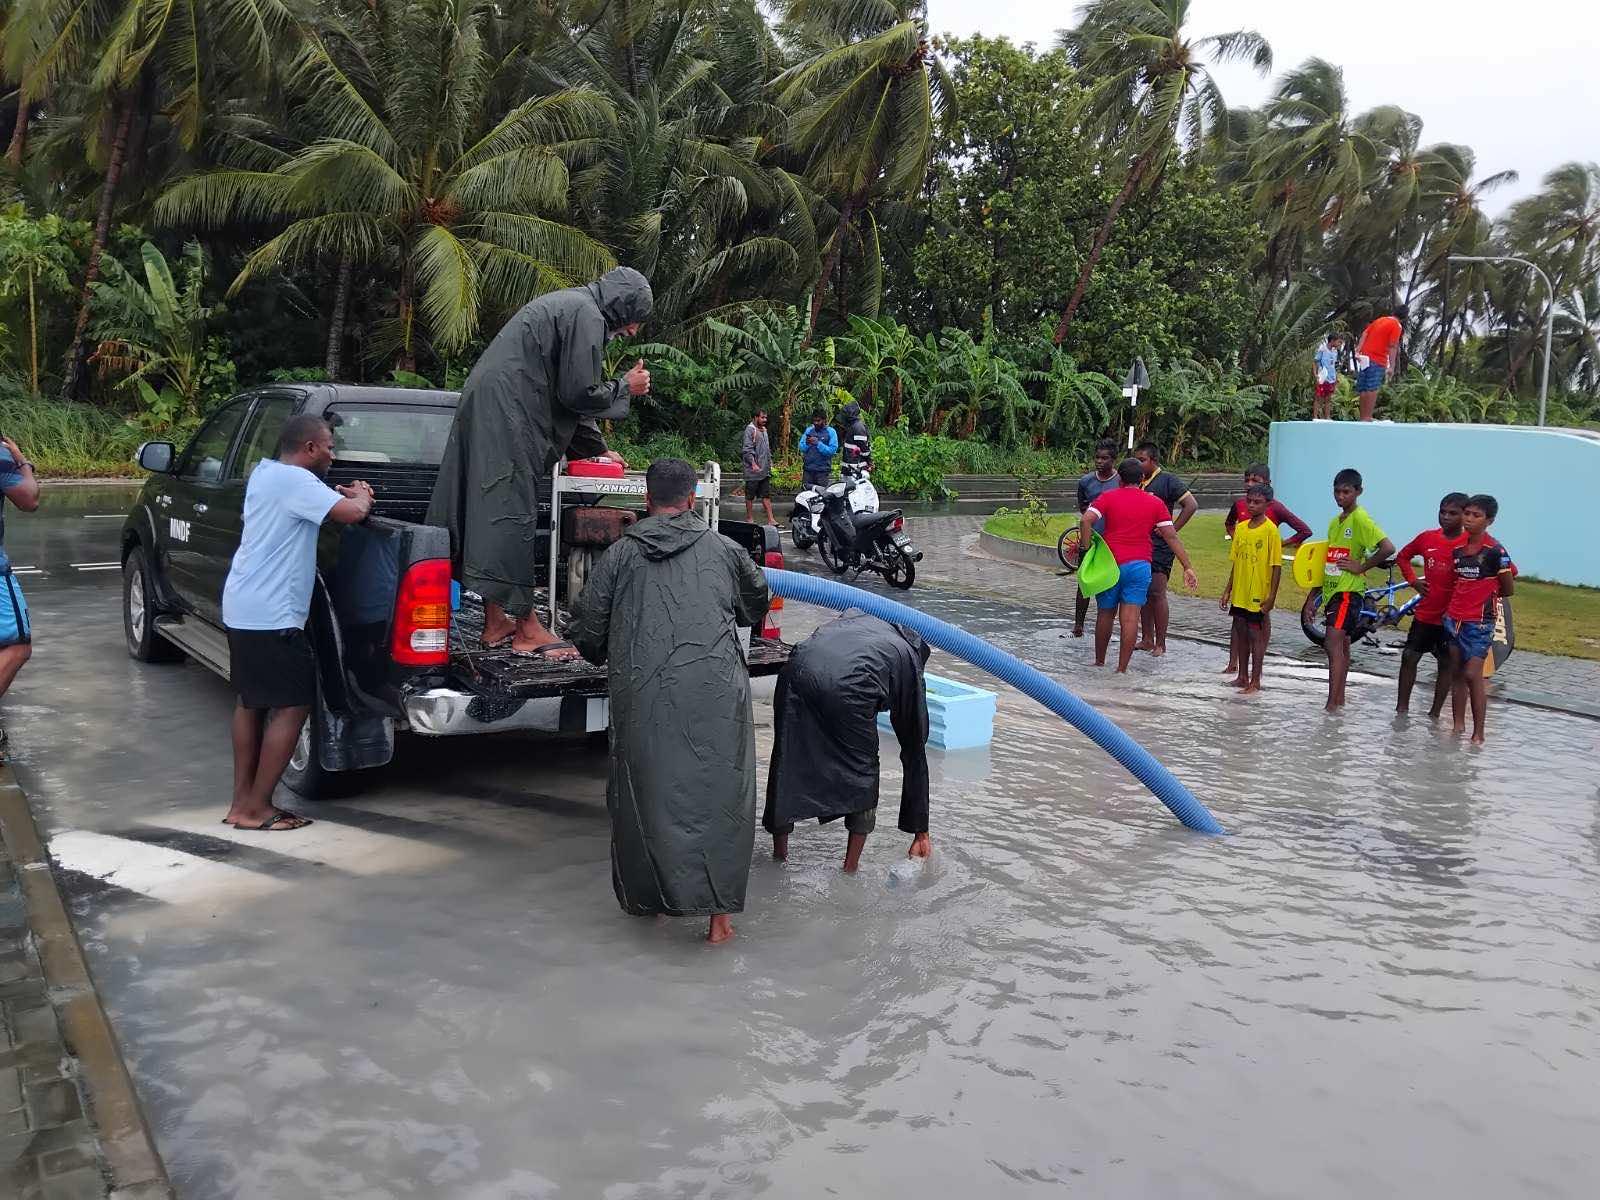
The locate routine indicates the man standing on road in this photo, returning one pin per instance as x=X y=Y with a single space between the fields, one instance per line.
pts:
x=265 y=604
x=1102 y=479
x=819 y=443
x=1133 y=519
x=825 y=733
x=1377 y=350
x=662 y=611
x=533 y=396
x=855 y=441
x=18 y=485
x=756 y=454
x=1181 y=505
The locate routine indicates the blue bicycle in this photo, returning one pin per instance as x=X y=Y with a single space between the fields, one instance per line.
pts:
x=1380 y=607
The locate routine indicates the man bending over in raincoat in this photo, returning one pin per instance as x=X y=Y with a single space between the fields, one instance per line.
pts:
x=825 y=740
x=533 y=396
x=662 y=611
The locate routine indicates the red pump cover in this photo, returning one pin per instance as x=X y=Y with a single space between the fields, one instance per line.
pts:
x=595 y=468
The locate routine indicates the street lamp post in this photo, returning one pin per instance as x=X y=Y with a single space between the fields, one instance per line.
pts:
x=1549 y=320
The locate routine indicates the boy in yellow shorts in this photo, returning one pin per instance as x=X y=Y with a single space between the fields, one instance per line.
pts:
x=1254 y=571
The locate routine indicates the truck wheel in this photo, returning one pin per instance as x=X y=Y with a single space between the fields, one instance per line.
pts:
x=139 y=613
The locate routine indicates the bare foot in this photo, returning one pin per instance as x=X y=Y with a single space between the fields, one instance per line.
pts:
x=1122 y=670
x=1250 y=688
x=720 y=929
x=1141 y=644
x=1099 y=662
x=1238 y=681
x=1457 y=730
x=1078 y=631
x=921 y=846
x=1477 y=739
x=1231 y=669
x=1331 y=707
x=1158 y=652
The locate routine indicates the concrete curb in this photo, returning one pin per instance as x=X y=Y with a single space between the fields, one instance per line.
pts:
x=134 y=1168
x=1028 y=553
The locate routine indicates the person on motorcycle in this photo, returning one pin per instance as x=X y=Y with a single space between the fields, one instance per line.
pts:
x=819 y=443
x=855 y=443
x=825 y=732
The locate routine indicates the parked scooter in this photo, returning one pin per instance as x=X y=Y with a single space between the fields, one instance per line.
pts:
x=865 y=541
x=805 y=521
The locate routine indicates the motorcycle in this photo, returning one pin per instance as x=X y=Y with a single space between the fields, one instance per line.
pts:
x=865 y=541
x=805 y=521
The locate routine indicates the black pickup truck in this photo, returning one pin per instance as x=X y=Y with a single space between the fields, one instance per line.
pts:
x=395 y=653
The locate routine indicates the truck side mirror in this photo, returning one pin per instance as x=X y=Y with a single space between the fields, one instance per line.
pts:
x=157 y=457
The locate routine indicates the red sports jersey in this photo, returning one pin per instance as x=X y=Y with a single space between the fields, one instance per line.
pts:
x=1131 y=518
x=1438 y=571
x=1477 y=586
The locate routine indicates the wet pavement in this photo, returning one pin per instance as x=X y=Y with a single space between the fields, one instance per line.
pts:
x=1383 y=981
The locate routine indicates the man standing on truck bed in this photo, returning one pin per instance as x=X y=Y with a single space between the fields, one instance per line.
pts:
x=530 y=399
x=662 y=610
x=265 y=604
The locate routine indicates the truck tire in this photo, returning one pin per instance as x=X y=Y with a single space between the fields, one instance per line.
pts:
x=139 y=613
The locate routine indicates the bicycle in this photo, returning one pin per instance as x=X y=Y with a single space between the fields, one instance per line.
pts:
x=1069 y=547
x=1378 y=610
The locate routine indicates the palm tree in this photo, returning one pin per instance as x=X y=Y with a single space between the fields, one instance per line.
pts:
x=34 y=257
x=153 y=333
x=687 y=189
x=1150 y=90
x=882 y=354
x=864 y=104
x=412 y=177
x=142 y=58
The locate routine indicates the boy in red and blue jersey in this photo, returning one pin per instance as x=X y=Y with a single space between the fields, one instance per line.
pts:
x=1483 y=573
x=1436 y=548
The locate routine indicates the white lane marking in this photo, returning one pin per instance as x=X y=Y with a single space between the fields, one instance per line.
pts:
x=343 y=847
x=97 y=566
x=104 y=516
x=27 y=570
x=156 y=871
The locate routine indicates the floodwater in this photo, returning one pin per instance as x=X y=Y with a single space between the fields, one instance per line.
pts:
x=1383 y=980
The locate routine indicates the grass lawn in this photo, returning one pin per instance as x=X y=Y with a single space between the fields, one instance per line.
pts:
x=1550 y=618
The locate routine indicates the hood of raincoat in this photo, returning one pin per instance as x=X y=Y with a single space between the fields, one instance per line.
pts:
x=850 y=414
x=623 y=296
x=667 y=534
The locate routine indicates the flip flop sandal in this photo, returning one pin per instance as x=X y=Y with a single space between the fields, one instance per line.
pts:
x=498 y=642
x=274 y=823
x=541 y=651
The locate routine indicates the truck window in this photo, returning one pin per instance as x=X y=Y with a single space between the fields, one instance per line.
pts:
x=261 y=435
x=390 y=433
x=203 y=459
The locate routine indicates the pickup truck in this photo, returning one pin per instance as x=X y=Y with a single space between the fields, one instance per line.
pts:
x=397 y=648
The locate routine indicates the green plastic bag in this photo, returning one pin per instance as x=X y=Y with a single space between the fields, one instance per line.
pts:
x=1098 y=571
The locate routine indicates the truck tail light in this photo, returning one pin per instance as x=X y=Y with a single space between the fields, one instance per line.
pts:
x=769 y=627
x=422 y=615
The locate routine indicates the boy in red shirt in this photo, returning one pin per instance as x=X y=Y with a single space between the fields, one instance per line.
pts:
x=1132 y=516
x=1436 y=548
x=1483 y=573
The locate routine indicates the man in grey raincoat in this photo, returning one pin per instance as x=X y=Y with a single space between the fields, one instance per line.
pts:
x=825 y=735
x=530 y=399
x=662 y=611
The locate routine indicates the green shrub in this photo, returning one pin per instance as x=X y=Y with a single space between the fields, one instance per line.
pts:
x=67 y=440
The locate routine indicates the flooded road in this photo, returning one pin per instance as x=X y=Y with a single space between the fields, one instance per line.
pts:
x=1384 y=981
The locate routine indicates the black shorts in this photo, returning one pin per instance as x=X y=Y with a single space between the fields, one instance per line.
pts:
x=758 y=489
x=272 y=668
x=1425 y=638
x=1343 y=611
x=1161 y=559
x=1244 y=614
x=862 y=822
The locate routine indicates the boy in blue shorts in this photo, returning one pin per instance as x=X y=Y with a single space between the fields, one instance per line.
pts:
x=1483 y=574
x=18 y=485
x=1355 y=546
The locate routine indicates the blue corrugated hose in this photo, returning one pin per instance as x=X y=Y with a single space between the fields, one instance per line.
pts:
x=825 y=593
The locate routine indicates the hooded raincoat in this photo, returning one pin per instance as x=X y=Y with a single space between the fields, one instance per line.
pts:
x=855 y=443
x=530 y=399
x=825 y=738
x=661 y=611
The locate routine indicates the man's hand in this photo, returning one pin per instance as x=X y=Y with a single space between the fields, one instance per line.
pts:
x=11 y=448
x=1222 y=602
x=1270 y=603
x=1190 y=579
x=638 y=379
x=359 y=490
x=613 y=456
x=921 y=846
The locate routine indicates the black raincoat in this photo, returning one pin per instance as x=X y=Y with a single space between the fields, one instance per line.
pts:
x=661 y=610
x=825 y=739
x=529 y=400
x=855 y=443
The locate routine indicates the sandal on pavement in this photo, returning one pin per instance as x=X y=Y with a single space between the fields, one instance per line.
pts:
x=278 y=822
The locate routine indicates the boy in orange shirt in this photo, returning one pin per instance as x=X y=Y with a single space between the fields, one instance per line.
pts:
x=1377 y=346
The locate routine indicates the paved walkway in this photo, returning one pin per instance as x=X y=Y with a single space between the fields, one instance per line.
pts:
x=952 y=560
x=70 y=1128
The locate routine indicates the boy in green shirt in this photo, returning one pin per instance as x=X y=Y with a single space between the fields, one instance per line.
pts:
x=1355 y=546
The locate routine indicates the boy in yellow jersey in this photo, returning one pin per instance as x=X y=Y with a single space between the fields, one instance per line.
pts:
x=1256 y=567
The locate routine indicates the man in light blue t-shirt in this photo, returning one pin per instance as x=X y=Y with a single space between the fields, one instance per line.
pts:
x=265 y=604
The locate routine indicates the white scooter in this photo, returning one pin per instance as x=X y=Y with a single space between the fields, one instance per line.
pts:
x=855 y=485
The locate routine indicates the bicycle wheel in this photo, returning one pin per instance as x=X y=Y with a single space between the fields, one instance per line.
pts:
x=1311 y=619
x=1068 y=547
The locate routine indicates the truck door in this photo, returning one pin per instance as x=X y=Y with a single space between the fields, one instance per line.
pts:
x=187 y=496
x=216 y=531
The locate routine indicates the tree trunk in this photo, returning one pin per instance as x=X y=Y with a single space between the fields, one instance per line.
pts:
x=407 y=358
x=333 y=363
x=33 y=336
x=830 y=260
x=785 y=417
x=892 y=417
x=1140 y=166
x=19 y=136
x=102 y=230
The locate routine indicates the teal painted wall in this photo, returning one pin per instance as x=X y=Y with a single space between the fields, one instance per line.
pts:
x=1542 y=478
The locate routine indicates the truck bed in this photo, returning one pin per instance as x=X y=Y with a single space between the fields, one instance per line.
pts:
x=504 y=673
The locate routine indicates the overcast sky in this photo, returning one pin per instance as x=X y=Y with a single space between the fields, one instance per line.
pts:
x=1518 y=82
